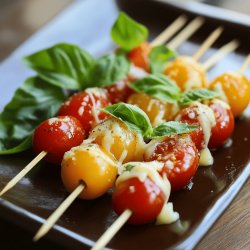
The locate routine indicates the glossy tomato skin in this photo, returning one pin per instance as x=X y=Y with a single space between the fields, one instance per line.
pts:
x=56 y=136
x=119 y=91
x=224 y=126
x=91 y=164
x=139 y=56
x=180 y=158
x=190 y=115
x=144 y=199
x=235 y=90
x=187 y=73
x=86 y=107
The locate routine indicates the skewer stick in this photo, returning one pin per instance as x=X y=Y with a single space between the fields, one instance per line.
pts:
x=223 y=51
x=245 y=65
x=21 y=174
x=207 y=43
x=186 y=33
x=58 y=212
x=169 y=31
x=112 y=230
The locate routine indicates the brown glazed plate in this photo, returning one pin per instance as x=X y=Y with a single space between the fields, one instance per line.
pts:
x=87 y=23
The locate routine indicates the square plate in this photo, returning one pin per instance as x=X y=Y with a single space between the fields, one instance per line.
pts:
x=40 y=193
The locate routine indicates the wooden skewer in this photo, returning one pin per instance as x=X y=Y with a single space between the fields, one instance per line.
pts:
x=21 y=174
x=112 y=230
x=223 y=51
x=58 y=213
x=186 y=33
x=245 y=65
x=207 y=43
x=169 y=31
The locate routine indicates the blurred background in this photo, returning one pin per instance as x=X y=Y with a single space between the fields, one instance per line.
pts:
x=20 y=18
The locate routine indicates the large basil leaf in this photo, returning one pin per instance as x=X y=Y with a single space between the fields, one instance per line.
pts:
x=172 y=128
x=134 y=117
x=64 y=65
x=159 y=56
x=128 y=33
x=137 y=120
x=197 y=95
x=31 y=104
x=157 y=86
x=109 y=69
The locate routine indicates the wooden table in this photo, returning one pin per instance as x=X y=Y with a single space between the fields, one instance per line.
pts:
x=19 y=19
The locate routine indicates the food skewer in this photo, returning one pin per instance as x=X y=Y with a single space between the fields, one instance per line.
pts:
x=161 y=38
x=112 y=230
x=186 y=33
x=169 y=31
x=23 y=172
x=58 y=213
x=223 y=51
x=207 y=43
x=245 y=65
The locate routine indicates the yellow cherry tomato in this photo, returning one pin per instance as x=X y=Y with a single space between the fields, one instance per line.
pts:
x=91 y=164
x=157 y=111
x=234 y=89
x=114 y=135
x=187 y=73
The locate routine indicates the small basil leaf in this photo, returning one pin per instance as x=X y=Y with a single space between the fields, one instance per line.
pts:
x=135 y=118
x=64 y=65
x=128 y=168
x=128 y=33
x=172 y=128
x=31 y=104
x=197 y=95
x=158 y=58
x=109 y=69
x=157 y=86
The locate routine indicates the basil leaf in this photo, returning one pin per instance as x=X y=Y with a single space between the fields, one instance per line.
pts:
x=159 y=56
x=157 y=86
x=172 y=128
x=197 y=95
x=31 y=104
x=128 y=33
x=64 y=65
x=135 y=118
x=109 y=69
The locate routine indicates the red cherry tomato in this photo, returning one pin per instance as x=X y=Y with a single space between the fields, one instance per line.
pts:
x=144 y=199
x=119 y=91
x=224 y=127
x=56 y=136
x=180 y=158
x=190 y=115
x=86 y=107
x=139 y=56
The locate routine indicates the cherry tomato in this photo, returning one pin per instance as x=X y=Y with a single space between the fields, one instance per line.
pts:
x=190 y=115
x=119 y=91
x=157 y=111
x=56 y=136
x=224 y=126
x=234 y=89
x=92 y=165
x=144 y=199
x=187 y=73
x=113 y=135
x=180 y=158
x=86 y=107
x=139 y=56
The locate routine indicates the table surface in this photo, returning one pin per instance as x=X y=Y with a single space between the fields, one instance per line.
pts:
x=18 y=20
